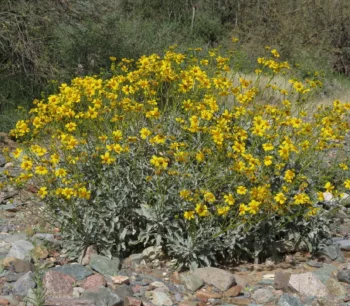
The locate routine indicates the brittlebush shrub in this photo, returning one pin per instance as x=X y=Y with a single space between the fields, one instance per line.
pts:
x=183 y=152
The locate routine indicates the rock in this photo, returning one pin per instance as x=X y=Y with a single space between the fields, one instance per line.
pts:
x=4 y=301
x=85 y=257
x=20 y=249
x=344 y=276
x=234 y=291
x=308 y=284
x=333 y=252
x=13 y=277
x=205 y=294
x=263 y=296
x=77 y=271
x=343 y=244
x=326 y=272
x=39 y=238
x=133 y=260
x=2 y=160
x=21 y=266
x=58 y=285
x=242 y=280
x=239 y=300
x=69 y=302
x=153 y=253
x=161 y=299
x=219 y=278
x=39 y=252
x=123 y=290
x=103 y=297
x=289 y=300
x=23 y=284
x=281 y=280
x=158 y=285
x=104 y=265
x=8 y=261
x=335 y=288
x=120 y=279
x=131 y=301
x=77 y=291
x=315 y=264
x=192 y=282
x=94 y=282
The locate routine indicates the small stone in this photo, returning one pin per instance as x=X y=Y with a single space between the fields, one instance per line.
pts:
x=39 y=238
x=103 y=297
x=158 y=285
x=192 y=282
x=58 y=285
x=161 y=299
x=77 y=291
x=133 y=260
x=335 y=288
x=123 y=290
x=344 y=276
x=104 y=265
x=308 y=284
x=85 y=257
x=21 y=266
x=234 y=291
x=4 y=301
x=204 y=295
x=8 y=261
x=219 y=278
x=131 y=301
x=241 y=301
x=315 y=264
x=281 y=280
x=120 y=279
x=263 y=296
x=242 y=280
x=94 y=282
x=14 y=238
x=289 y=300
x=77 y=271
x=20 y=249
x=23 y=284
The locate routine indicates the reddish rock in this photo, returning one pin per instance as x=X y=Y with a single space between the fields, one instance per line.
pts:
x=86 y=256
x=68 y=302
x=241 y=301
x=188 y=303
x=136 y=288
x=281 y=280
x=131 y=301
x=234 y=291
x=58 y=285
x=120 y=279
x=205 y=294
x=94 y=282
x=4 y=302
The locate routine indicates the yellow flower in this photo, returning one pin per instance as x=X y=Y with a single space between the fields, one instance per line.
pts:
x=289 y=176
x=209 y=197
x=241 y=190
x=222 y=211
x=268 y=147
x=268 y=160
x=200 y=157
x=228 y=198
x=343 y=166
x=253 y=206
x=71 y=126
x=189 y=215
x=41 y=170
x=347 y=184
x=106 y=158
x=159 y=162
x=27 y=165
x=280 y=198
x=329 y=187
x=301 y=198
x=16 y=153
x=202 y=210
x=54 y=158
x=60 y=172
x=145 y=133
x=42 y=192
x=184 y=193
x=243 y=209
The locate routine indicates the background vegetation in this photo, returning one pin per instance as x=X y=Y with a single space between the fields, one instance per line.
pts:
x=42 y=40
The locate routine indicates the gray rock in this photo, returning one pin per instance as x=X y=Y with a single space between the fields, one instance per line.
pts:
x=123 y=291
x=219 y=278
x=281 y=280
x=326 y=272
x=161 y=299
x=192 y=282
x=2 y=160
x=14 y=238
x=103 y=297
x=23 y=284
x=133 y=260
x=344 y=244
x=333 y=252
x=263 y=296
x=68 y=302
x=104 y=265
x=77 y=271
x=344 y=276
x=308 y=284
x=289 y=300
x=39 y=238
x=335 y=288
x=20 y=249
